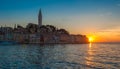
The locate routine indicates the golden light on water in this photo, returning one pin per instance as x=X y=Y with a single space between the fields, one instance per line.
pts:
x=90 y=45
x=90 y=58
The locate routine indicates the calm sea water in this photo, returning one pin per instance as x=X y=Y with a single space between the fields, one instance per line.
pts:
x=61 y=56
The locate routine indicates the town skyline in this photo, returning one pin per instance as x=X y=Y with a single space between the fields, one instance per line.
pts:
x=40 y=34
x=93 y=17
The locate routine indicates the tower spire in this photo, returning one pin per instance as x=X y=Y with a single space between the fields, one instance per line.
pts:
x=40 y=18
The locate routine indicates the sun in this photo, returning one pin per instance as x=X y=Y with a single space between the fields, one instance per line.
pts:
x=91 y=39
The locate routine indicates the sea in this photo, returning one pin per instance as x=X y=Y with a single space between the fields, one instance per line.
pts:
x=60 y=56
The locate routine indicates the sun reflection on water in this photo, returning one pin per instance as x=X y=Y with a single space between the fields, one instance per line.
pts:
x=89 y=57
x=90 y=45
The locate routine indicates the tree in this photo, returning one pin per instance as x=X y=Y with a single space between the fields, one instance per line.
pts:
x=43 y=29
x=62 y=31
x=51 y=28
x=32 y=28
x=19 y=26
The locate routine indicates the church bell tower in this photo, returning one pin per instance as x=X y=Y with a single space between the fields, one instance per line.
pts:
x=40 y=18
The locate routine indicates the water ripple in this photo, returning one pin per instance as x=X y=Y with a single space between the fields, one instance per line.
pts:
x=68 y=56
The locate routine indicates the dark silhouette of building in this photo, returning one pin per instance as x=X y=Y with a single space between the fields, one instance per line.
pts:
x=40 y=18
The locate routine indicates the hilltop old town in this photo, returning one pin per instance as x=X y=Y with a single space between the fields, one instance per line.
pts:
x=38 y=33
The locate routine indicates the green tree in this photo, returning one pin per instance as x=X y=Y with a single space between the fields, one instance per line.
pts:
x=32 y=28
x=62 y=31
x=51 y=28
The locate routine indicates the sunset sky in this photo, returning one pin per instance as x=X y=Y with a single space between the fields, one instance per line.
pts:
x=97 y=18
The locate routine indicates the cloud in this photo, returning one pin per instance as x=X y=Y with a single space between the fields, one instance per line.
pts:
x=118 y=5
x=106 y=14
x=110 y=32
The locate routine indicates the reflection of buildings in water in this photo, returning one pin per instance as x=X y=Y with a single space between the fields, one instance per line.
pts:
x=49 y=56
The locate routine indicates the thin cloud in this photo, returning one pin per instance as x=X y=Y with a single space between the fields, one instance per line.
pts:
x=118 y=5
x=110 y=31
x=106 y=14
x=113 y=32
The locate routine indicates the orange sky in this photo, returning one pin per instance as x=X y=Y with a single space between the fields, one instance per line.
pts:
x=110 y=35
x=104 y=35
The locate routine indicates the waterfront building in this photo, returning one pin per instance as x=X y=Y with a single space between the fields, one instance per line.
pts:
x=8 y=33
x=80 y=39
x=21 y=35
x=1 y=35
x=34 y=38
x=64 y=38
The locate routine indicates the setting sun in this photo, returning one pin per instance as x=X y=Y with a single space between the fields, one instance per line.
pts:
x=91 y=39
